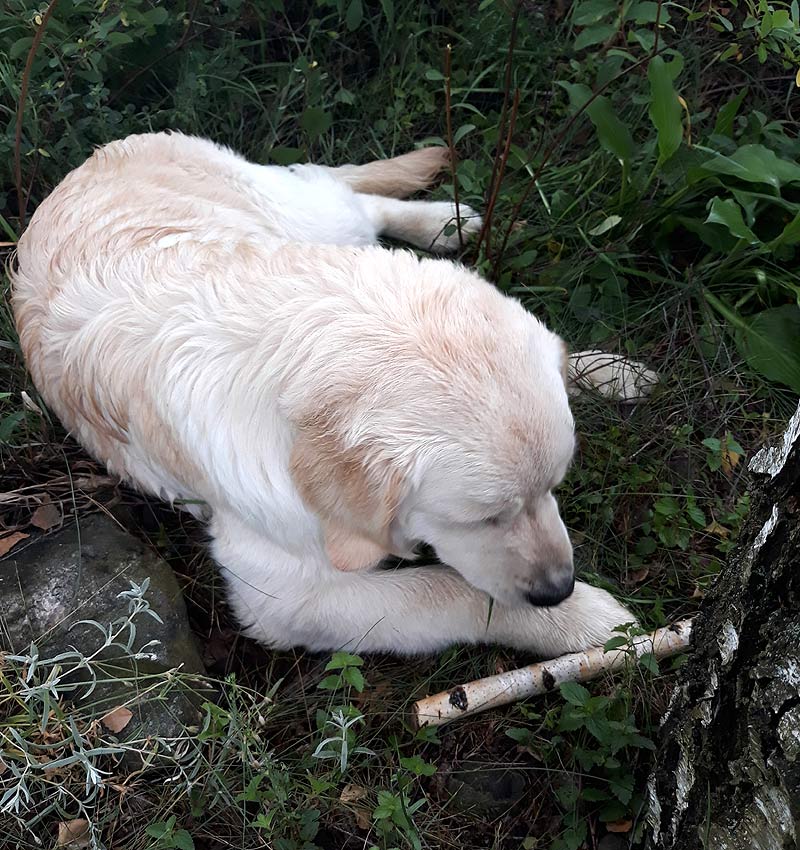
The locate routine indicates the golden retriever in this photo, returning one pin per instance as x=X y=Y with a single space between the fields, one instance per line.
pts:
x=230 y=333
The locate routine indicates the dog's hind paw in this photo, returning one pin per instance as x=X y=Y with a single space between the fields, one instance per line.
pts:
x=442 y=225
x=612 y=375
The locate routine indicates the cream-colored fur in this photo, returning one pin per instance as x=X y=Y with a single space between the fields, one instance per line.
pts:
x=222 y=331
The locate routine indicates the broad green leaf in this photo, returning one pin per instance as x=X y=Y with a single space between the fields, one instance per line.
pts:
x=595 y=35
x=155 y=16
x=182 y=840
x=285 y=156
x=753 y=164
x=608 y=223
x=770 y=341
x=790 y=234
x=646 y=12
x=388 y=11
x=729 y=214
x=20 y=46
x=461 y=132
x=355 y=13
x=726 y=115
x=665 y=108
x=612 y=133
x=315 y=121
x=771 y=344
x=593 y=11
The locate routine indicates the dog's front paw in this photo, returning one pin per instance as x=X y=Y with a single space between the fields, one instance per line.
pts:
x=593 y=616
x=612 y=375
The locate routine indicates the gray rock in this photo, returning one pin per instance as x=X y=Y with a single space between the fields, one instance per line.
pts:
x=49 y=585
x=613 y=842
x=486 y=788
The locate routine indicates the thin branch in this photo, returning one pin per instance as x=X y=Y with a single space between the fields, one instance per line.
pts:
x=658 y=24
x=448 y=56
x=22 y=201
x=492 y=189
x=486 y=230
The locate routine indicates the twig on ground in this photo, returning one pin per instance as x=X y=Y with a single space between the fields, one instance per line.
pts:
x=546 y=676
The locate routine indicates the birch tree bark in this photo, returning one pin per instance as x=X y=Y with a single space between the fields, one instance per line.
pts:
x=728 y=770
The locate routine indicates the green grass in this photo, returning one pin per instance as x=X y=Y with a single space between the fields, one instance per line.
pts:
x=634 y=233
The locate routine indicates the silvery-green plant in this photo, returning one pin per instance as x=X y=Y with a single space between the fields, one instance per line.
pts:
x=339 y=745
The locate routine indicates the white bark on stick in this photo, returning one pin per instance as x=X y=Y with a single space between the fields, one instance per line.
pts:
x=545 y=676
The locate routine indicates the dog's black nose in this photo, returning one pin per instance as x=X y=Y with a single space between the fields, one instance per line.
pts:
x=549 y=593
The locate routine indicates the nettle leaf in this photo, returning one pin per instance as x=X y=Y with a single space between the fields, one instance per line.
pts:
x=340 y=660
x=574 y=693
x=729 y=214
x=665 y=109
x=354 y=677
x=418 y=766
x=622 y=788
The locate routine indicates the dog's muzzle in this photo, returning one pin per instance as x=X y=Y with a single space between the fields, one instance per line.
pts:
x=550 y=593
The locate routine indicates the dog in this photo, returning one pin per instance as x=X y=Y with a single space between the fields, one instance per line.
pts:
x=232 y=334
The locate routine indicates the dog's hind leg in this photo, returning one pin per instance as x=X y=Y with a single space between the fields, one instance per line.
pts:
x=612 y=375
x=427 y=224
x=398 y=177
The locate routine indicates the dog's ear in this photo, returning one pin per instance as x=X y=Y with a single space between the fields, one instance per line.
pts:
x=355 y=495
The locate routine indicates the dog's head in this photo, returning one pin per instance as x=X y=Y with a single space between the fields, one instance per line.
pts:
x=454 y=431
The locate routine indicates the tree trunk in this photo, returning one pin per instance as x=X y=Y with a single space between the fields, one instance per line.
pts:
x=728 y=775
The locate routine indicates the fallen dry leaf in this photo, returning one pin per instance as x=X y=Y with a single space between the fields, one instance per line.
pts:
x=30 y=404
x=10 y=541
x=46 y=516
x=638 y=576
x=619 y=826
x=363 y=819
x=117 y=719
x=351 y=793
x=73 y=833
x=729 y=460
x=3 y=767
x=719 y=530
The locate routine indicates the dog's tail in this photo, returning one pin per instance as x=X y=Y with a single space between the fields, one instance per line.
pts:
x=398 y=177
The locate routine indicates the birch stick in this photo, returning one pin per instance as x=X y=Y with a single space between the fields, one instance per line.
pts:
x=546 y=676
